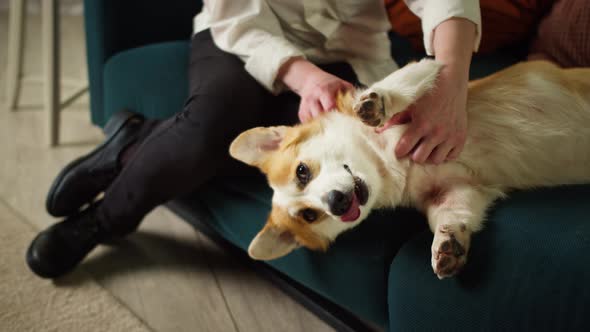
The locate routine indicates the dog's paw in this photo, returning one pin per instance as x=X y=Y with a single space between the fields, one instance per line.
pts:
x=449 y=249
x=370 y=108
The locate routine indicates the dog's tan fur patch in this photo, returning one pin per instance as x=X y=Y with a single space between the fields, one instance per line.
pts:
x=280 y=218
x=280 y=165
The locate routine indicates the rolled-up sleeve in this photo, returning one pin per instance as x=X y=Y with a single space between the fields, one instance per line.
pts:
x=434 y=12
x=250 y=30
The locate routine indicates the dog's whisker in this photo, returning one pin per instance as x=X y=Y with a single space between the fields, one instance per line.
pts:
x=348 y=169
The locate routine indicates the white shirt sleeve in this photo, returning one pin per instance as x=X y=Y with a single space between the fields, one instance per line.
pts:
x=250 y=30
x=434 y=12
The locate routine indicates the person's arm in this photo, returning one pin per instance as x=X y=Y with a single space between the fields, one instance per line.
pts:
x=438 y=126
x=251 y=30
x=434 y=12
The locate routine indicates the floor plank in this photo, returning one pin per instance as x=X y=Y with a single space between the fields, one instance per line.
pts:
x=256 y=304
x=161 y=274
x=29 y=303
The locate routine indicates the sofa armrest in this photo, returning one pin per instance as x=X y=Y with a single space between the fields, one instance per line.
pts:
x=113 y=26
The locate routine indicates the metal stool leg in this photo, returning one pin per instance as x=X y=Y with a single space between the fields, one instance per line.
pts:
x=16 y=27
x=51 y=66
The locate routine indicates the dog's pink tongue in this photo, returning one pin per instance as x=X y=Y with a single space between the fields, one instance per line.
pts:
x=353 y=212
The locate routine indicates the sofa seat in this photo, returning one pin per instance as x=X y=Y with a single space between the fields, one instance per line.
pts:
x=352 y=273
x=528 y=270
x=151 y=80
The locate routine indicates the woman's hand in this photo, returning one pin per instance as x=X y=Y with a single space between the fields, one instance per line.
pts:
x=318 y=94
x=438 y=120
x=317 y=88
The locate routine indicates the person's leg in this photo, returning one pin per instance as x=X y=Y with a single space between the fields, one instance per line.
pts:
x=185 y=151
x=82 y=179
x=176 y=156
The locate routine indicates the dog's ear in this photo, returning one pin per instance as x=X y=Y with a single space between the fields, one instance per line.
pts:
x=254 y=145
x=272 y=243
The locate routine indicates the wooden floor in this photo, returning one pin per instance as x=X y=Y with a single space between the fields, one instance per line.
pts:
x=170 y=276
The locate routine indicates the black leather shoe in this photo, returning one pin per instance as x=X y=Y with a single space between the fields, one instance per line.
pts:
x=84 y=178
x=59 y=248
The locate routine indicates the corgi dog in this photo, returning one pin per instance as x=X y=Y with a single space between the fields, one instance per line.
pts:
x=528 y=126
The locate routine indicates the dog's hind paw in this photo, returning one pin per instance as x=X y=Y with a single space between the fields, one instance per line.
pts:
x=370 y=108
x=449 y=250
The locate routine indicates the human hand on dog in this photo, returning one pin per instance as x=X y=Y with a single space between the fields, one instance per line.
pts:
x=317 y=88
x=438 y=120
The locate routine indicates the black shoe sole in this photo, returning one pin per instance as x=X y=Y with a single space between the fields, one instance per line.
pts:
x=111 y=129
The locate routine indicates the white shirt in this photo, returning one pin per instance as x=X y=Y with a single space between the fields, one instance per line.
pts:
x=267 y=33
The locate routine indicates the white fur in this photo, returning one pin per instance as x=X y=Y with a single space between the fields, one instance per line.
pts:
x=404 y=86
x=528 y=127
x=327 y=150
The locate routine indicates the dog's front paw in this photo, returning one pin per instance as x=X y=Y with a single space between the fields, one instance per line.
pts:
x=449 y=249
x=370 y=108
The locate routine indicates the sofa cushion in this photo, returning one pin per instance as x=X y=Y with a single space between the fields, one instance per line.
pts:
x=527 y=271
x=152 y=80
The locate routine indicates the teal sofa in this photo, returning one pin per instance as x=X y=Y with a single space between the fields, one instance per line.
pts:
x=528 y=270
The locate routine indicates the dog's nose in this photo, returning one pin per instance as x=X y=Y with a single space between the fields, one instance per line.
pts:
x=338 y=202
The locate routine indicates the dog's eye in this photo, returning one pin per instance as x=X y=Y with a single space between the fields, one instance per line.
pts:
x=309 y=215
x=303 y=174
